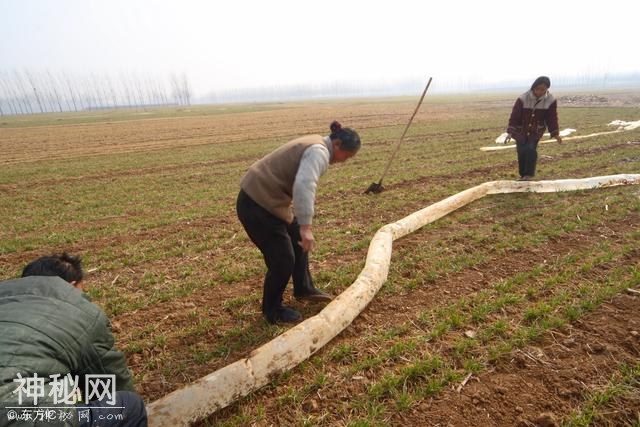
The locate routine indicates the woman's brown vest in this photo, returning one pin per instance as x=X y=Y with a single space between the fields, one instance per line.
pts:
x=269 y=181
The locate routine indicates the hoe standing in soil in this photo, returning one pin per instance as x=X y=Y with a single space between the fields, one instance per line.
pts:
x=377 y=187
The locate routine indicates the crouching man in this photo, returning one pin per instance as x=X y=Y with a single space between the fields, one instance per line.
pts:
x=58 y=364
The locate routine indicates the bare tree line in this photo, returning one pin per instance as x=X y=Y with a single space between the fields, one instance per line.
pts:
x=32 y=92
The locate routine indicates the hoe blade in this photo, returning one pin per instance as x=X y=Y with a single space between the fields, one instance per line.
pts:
x=375 y=188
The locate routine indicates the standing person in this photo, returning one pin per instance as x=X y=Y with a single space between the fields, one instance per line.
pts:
x=276 y=205
x=50 y=329
x=533 y=111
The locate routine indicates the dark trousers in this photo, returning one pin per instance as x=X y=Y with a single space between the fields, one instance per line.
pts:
x=128 y=411
x=527 y=154
x=284 y=257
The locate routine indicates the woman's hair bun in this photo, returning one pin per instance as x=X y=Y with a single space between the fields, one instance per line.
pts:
x=349 y=138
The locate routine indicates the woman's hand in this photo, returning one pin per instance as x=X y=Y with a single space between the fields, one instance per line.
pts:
x=307 y=242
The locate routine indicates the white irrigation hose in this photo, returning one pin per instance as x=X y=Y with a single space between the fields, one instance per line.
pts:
x=502 y=139
x=546 y=141
x=220 y=388
x=622 y=127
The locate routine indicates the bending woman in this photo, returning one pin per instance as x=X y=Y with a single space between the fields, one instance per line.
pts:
x=276 y=206
x=533 y=111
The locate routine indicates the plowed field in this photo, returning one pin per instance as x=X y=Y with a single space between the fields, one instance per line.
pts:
x=514 y=310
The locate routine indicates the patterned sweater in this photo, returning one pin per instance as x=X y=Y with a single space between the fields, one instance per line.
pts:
x=530 y=116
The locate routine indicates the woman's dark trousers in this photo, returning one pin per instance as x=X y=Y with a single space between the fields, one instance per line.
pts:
x=284 y=257
x=527 y=155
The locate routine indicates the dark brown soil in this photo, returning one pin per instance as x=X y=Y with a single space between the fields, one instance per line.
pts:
x=540 y=384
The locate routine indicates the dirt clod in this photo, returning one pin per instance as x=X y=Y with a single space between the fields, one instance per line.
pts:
x=596 y=348
x=546 y=419
x=501 y=390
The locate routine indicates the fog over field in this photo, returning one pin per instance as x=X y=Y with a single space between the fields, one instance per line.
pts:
x=130 y=53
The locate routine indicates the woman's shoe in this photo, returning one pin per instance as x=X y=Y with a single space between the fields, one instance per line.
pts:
x=284 y=315
x=314 y=295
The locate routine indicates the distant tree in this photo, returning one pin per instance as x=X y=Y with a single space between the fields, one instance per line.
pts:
x=71 y=91
x=87 y=93
x=124 y=83
x=31 y=91
x=5 y=96
x=53 y=84
x=23 y=95
x=138 y=86
x=112 y=92
x=186 y=89
x=96 y=88
x=32 y=83
x=175 y=89
x=11 y=94
x=149 y=92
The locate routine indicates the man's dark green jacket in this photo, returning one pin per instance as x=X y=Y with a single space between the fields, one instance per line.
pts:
x=49 y=327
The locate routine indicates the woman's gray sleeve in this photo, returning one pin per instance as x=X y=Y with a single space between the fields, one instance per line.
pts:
x=314 y=163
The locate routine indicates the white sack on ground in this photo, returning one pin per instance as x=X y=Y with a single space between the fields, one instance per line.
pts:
x=220 y=388
x=621 y=124
x=564 y=132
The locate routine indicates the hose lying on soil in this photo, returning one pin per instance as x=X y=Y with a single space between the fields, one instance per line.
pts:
x=622 y=127
x=220 y=388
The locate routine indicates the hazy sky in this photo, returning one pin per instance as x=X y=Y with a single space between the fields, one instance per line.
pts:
x=240 y=43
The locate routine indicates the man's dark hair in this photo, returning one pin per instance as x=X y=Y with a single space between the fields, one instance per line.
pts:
x=63 y=265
